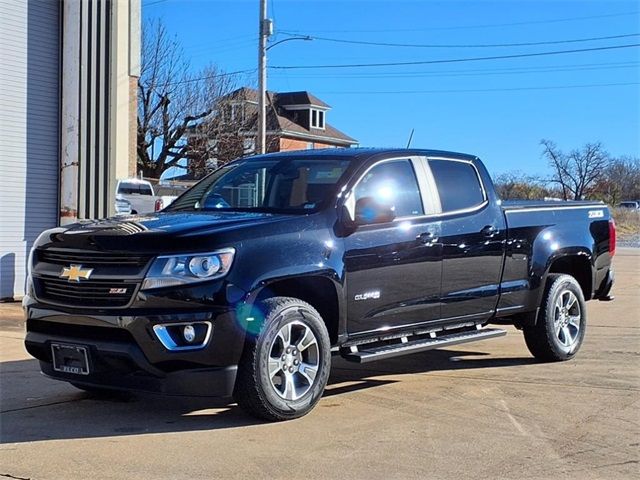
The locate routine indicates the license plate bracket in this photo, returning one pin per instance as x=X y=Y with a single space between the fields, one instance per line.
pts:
x=68 y=358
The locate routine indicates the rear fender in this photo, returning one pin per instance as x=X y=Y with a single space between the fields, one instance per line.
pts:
x=570 y=260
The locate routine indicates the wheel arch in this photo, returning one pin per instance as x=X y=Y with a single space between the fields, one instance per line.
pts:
x=319 y=291
x=578 y=265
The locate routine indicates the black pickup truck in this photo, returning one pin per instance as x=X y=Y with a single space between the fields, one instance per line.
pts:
x=248 y=283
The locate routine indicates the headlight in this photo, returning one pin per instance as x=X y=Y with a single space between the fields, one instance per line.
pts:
x=170 y=270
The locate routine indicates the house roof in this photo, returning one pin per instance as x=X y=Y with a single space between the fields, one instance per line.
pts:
x=279 y=119
x=279 y=98
x=299 y=98
x=291 y=128
x=244 y=93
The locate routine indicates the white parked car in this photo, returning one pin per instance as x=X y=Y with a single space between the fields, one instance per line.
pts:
x=630 y=204
x=123 y=206
x=134 y=196
x=139 y=193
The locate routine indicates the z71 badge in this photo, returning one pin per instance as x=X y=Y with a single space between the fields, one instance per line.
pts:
x=596 y=213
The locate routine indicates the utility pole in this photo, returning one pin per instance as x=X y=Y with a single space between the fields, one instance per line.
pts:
x=266 y=29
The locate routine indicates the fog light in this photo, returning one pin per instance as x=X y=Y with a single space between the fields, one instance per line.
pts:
x=181 y=336
x=189 y=333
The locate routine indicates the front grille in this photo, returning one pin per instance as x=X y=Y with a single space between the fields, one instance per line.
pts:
x=107 y=293
x=89 y=259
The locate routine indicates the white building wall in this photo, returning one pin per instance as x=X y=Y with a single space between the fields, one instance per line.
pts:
x=29 y=121
x=68 y=73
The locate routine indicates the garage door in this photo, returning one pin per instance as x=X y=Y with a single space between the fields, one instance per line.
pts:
x=29 y=119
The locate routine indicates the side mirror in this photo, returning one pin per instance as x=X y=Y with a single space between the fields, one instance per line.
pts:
x=368 y=211
x=214 y=201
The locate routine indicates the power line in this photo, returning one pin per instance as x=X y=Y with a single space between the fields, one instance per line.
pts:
x=454 y=60
x=494 y=25
x=487 y=45
x=229 y=41
x=206 y=77
x=480 y=72
x=542 y=68
x=515 y=89
x=148 y=4
x=213 y=50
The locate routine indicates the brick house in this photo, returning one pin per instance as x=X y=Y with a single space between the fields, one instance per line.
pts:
x=295 y=121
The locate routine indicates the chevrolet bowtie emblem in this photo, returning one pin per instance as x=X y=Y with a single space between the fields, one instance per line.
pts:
x=74 y=273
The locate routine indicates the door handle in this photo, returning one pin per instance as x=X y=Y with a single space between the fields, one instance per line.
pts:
x=489 y=231
x=426 y=237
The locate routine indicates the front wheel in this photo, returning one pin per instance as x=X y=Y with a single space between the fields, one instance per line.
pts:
x=562 y=321
x=285 y=368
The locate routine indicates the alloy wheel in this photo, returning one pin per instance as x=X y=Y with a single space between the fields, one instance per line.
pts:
x=294 y=358
x=567 y=318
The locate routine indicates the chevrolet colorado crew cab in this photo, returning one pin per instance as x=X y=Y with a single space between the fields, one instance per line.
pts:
x=249 y=282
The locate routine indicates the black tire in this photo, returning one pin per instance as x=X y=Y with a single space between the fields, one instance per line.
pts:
x=255 y=390
x=544 y=340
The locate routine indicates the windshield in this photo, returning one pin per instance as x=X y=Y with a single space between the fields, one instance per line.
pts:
x=276 y=185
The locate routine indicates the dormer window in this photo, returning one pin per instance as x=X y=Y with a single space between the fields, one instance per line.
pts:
x=237 y=112
x=317 y=118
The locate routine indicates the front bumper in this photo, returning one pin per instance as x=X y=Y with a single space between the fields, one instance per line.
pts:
x=122 y=367
x=124 y=353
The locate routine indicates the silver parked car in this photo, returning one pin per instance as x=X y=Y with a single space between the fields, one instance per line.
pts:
x=631 y=204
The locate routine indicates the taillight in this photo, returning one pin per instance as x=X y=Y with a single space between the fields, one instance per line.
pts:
x=158 y=205
x=612 y=237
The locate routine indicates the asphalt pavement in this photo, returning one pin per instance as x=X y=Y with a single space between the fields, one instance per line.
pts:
x=481 y=410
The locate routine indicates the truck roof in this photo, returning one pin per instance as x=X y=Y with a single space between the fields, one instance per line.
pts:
x=366 y=153
x=135 y=180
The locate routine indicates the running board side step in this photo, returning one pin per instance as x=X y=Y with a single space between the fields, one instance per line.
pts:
x=406 y=346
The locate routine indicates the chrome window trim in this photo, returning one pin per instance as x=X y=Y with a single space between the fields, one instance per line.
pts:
x=349 y=201
x=478 y=176
x=444 y=214
x=350 y=198
x=428 y=187
x=555 y=207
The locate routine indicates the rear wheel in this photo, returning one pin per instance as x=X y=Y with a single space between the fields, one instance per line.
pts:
x=562 y=321
x=284 y=369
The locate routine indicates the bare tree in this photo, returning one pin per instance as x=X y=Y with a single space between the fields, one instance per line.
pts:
x=230 y=132
x=518 y=186
x=577 y=171
x=620 y=182
x=172 y=100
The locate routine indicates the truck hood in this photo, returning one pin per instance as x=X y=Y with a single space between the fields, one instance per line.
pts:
x=161 y=232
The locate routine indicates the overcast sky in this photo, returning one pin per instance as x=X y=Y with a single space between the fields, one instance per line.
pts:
x=498 y=109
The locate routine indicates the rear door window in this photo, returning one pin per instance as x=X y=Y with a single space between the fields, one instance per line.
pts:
x=458 y=185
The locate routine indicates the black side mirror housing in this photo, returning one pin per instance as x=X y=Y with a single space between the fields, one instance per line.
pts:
x=369 y=211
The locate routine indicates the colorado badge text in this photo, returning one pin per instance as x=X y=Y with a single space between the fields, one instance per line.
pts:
x=373 y=295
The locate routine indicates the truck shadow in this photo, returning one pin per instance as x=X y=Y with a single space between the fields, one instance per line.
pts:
x=364 y=376
x=34 y=408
